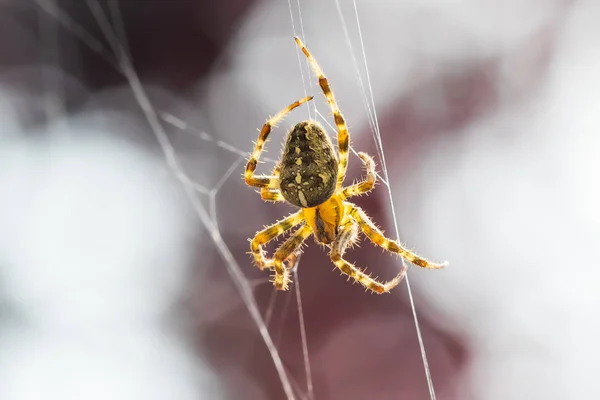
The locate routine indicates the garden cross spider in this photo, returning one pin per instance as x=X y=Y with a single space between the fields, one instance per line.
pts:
x=310 y=176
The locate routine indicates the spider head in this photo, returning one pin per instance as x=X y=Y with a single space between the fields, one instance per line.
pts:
x=325 y=219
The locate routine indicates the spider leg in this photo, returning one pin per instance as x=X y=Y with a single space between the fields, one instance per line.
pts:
x=347 y=235
x=269 y=233
x=271 y=194
x=376 y=236
x=365 y=185
x=343 y=138
x=270 y=181
x=289 y=249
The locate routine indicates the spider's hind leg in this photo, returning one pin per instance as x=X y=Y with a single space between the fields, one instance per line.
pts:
x=340 y=122
x=266 y=180
x=273 y=195
x=270 y=193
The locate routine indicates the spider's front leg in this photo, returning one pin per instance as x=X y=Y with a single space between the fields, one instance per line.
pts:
x=290 y=248
x=376 y=236
x=269 y=233
x=348 y=233
x=269 y=181
x=365 y=185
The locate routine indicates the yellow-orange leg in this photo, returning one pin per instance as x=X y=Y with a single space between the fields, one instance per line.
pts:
x=367 y=184
x=343 y=138
x=266 y=180
x=269 y=233
x=271 y=194
x=348 y=234
x=288 y=249
x=377 y=237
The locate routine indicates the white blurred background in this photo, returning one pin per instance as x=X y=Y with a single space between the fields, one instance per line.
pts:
x=111 y=287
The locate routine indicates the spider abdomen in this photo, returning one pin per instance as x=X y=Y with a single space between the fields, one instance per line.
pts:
x=309 y=166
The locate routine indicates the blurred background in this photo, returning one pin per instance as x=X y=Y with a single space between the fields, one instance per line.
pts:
x=120 y=279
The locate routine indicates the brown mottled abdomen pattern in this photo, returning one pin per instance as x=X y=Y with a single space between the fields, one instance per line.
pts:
x=308 y=166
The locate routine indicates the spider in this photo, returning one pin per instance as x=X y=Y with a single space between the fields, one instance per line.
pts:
x=310 y=176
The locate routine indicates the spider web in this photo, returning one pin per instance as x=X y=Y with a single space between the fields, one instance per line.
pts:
x=118 y=56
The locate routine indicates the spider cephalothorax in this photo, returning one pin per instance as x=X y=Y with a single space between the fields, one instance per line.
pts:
x=310 y=176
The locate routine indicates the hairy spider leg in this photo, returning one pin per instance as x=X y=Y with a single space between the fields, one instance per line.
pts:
x=270 y=194
x=343 y=137
x=288 y=249
x=376 y=236
x=269 y=233
x=365 y=185
x=269 y=181
x=347 y=236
